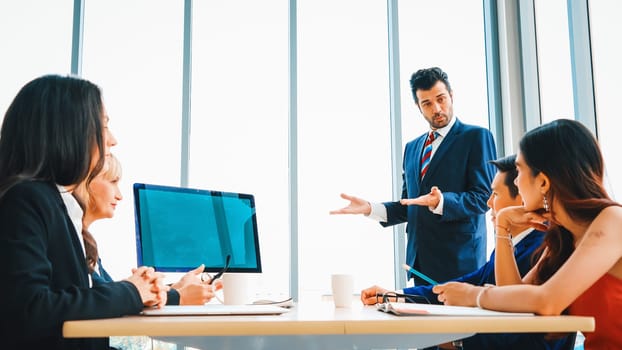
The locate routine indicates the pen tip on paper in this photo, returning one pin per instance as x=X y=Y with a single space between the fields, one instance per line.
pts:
x=406 y=266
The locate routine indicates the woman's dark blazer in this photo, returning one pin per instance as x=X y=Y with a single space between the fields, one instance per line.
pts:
x=44 y=275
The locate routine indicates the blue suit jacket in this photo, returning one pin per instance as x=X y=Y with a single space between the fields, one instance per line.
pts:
x=453 y=244
x=523 y=252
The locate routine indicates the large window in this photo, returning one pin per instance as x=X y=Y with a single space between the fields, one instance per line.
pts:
x=556 y=97
x=605 y=30
x=343 y=134
x=35 y=39
x=239 y=139
x=450 y=35
x=134 y=55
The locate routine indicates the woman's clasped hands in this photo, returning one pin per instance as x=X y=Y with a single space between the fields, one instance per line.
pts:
x=150 y=286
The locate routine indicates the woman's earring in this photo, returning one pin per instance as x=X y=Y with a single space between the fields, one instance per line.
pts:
x=545 y=203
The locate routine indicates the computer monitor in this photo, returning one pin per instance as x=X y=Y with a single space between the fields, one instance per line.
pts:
x=179 y=228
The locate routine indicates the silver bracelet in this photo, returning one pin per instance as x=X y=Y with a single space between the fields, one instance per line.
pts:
x=479 y=296
x=508 y=237
x=506 y=229
x=504 y=236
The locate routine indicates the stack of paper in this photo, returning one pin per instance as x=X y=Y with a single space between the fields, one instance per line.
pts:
x=415 y=309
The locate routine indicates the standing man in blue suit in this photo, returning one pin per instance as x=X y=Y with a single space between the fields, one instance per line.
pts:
x=446 y=184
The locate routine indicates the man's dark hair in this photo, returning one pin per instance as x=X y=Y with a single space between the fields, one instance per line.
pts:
x=507 y=165
x=425 y=79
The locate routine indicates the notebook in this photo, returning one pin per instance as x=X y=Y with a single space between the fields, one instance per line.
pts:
x=214 y=310
x=416 y=309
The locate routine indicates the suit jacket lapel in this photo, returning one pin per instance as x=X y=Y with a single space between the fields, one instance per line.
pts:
x=443 y=148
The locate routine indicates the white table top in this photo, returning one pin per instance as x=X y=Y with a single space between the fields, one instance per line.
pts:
x=321 y=319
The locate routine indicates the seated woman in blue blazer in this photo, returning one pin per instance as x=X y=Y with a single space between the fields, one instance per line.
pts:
x=99 y=200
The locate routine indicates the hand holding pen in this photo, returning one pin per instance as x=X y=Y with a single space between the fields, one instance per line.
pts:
x=211 y=279
x=376 y=294
x=194 y=289
x=369 y=296
x=224 y=269
x=215 y=280
x=419 y=274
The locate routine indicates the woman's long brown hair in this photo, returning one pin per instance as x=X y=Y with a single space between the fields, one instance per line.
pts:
x=82 y=194
x=569 y=155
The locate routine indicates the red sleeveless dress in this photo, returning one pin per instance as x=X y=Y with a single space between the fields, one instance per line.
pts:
x=603 y=301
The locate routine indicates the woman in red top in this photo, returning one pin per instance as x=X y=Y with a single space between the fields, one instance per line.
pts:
x=560 y=177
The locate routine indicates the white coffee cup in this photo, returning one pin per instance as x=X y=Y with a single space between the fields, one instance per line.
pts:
x=343 y=289
x=235 y=288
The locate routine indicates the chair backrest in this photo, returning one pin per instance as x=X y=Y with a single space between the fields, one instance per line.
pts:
x=568 y=343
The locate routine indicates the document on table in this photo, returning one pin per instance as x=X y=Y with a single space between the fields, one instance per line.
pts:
x=416 y=309
x=215 y=310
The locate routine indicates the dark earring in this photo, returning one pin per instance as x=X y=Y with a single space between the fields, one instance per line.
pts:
x=545 y=203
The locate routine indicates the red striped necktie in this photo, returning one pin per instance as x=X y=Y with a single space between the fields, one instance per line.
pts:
x=427 y=153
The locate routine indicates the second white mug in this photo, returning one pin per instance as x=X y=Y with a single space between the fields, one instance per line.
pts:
x=343 y=289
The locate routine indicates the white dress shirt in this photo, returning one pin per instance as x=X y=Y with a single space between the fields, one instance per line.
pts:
x=379 y=211
x=75 y=214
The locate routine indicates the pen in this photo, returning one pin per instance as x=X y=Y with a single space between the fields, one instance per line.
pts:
x=224 y=269
x=426 y=278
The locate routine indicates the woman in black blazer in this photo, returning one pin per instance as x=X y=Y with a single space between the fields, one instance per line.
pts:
x=54 y=136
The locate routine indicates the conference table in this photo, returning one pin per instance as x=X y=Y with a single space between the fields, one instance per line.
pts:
x=319 y=325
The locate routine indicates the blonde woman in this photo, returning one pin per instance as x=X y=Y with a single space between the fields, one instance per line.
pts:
x=100 y=199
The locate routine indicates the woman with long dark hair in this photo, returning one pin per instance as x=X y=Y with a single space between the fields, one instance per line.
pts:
x=560 y=178
x=53 y=137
